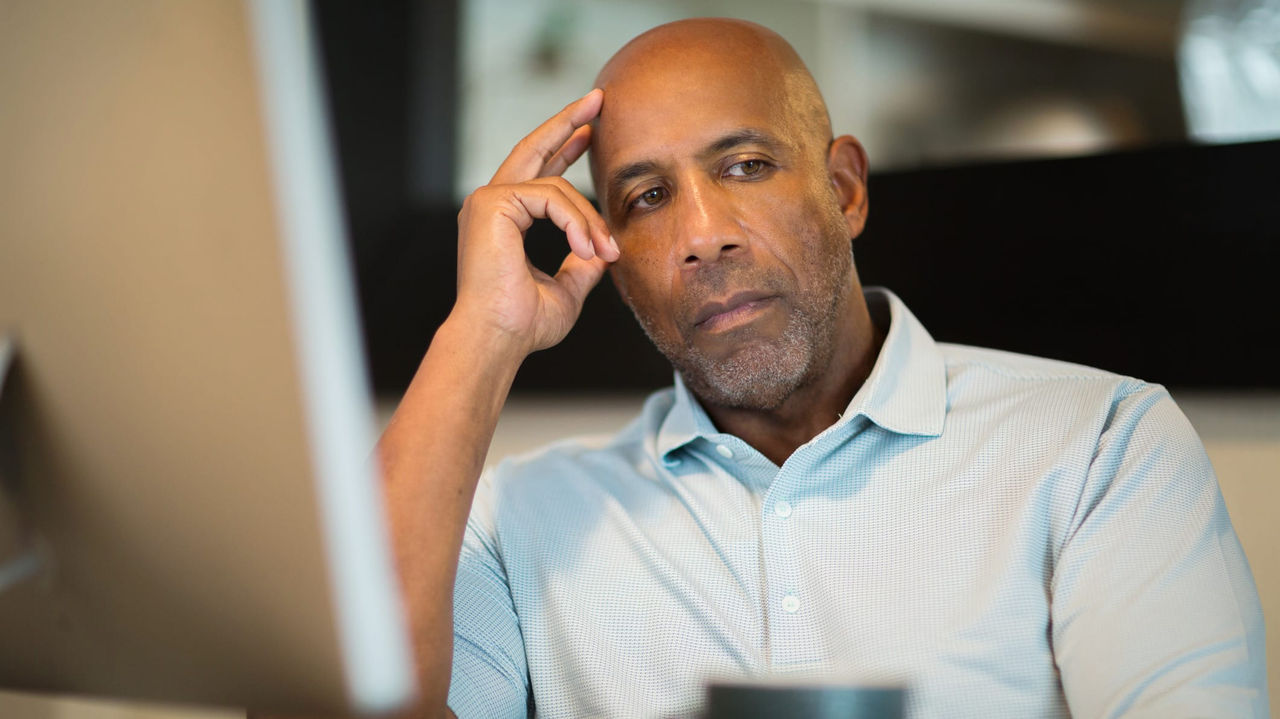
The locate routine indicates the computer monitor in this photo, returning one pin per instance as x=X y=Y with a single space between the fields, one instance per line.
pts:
x=189 y=511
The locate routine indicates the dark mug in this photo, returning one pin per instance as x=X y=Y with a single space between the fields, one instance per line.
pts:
x=803 y=701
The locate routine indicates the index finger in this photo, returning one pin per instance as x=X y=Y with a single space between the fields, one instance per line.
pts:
x=532 y=154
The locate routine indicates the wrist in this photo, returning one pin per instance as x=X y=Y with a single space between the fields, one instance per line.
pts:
x=485 y=347
x=465 y=374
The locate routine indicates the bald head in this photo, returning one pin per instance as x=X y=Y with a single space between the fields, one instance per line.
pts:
x=710 y=46
x=735 y=59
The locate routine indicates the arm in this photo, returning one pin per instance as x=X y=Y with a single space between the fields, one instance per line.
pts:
x=1155 y=613
x=434 y=448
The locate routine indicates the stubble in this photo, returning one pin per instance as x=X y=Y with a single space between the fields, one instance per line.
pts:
x=763 y=372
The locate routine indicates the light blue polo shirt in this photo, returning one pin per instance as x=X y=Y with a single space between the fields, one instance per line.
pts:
x=1009 y=536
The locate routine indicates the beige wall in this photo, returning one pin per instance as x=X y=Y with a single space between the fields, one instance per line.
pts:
x=1241 y=433
x=28 y=706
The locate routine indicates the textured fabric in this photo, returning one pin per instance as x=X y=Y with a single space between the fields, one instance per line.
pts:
x=1010 y=536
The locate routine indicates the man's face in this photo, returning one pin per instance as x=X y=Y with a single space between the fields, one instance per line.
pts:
x=735 y=252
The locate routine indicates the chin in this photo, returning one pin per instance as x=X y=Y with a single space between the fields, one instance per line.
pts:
x=758 y=396
x=754 y=377
x=760 y=374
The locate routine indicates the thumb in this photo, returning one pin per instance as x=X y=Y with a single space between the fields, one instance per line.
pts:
x=579 y=276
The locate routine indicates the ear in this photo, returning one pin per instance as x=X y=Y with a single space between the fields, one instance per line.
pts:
x=847 y=168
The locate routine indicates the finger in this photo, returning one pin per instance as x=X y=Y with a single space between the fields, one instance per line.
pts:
x=532 y=154
x=568 y=153
x=579 y=276
x=551 y=202
x=601 y=240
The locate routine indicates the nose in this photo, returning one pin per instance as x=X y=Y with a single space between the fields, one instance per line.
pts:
x=708 y=226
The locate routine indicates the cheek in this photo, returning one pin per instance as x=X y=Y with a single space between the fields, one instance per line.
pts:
x=824 y=212
x=645 y=264
x=638 y=279
x=815 y=237
x=813 y=223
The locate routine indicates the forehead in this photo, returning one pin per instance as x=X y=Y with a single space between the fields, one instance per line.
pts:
x=663 y=105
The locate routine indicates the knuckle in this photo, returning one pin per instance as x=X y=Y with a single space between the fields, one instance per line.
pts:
x=470 y=201
x=563 y=188
x=477 y=195
x=467 y=203
x=490 y=194
x=484 y=199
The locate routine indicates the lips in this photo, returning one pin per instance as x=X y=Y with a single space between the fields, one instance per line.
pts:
x=713 y=313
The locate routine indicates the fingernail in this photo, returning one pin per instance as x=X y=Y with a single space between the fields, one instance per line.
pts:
x=614 y=244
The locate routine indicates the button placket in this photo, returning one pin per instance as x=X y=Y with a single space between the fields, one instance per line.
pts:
x=792 y=631
x=780 y=548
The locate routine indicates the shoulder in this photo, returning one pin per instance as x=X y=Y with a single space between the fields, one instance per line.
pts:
x=1021 y=367
x=564 y=465
x=1055 y=396
x=982 y=372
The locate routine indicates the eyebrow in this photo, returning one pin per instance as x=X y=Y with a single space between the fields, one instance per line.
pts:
x=739 y=138
x=627 y=173
x=729 y=141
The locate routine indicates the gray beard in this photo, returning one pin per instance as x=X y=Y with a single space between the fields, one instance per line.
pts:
x=762 y=375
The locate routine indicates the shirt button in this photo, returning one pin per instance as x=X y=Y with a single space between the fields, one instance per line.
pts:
x=790 y=604
x=724 y=451
x=782 y=508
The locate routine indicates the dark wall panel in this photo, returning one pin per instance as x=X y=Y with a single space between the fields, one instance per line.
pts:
x=1159 y=263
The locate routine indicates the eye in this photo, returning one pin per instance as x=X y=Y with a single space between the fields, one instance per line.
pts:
x=746 y=168
x=650 y=198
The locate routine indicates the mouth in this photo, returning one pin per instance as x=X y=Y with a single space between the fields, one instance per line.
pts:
x=739 y=308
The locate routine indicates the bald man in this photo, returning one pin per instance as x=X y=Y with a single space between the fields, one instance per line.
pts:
x=825 y=491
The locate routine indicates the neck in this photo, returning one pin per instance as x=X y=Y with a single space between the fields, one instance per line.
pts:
x=816 y=404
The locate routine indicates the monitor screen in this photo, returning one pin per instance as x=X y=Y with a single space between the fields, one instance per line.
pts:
x=190 y=508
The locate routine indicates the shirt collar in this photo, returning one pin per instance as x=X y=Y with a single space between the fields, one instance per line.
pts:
x=905 y=393
x=685 y=421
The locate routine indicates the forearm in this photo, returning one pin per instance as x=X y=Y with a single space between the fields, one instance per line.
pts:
x=432 y=454
x=434 y=449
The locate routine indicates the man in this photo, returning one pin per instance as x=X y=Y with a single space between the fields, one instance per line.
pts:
x=825 y=491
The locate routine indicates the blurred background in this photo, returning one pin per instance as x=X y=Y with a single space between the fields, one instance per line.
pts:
x=1087 y=180
x=1091 y=180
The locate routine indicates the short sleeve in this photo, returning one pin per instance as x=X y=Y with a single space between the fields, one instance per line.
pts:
x=1154 y=609
x=490 y=672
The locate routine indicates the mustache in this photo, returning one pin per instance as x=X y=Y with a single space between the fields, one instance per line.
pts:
x=721 y=280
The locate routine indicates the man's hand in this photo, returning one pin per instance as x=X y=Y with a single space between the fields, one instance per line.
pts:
x=434 y=448
x=499 y=289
